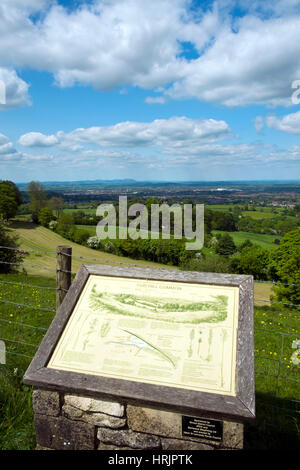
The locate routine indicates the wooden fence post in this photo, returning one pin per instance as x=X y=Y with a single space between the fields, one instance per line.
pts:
x=63 y=272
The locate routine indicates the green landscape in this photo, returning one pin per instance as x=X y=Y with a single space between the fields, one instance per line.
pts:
x=34 y=223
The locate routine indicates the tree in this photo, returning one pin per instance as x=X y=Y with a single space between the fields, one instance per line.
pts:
x=10 y=199
x=284 y=266
x=253 y=260
x=65 y=225
x=45 y=216
x=37 y=198
x=223 y=221
x=57 y=205
x=225 y=245
x=9 y=255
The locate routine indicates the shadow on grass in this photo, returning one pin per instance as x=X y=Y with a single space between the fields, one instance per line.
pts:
x=21 y=224
x=277 y=424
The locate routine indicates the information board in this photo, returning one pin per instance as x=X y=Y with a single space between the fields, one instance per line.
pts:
x=159 y=332
x=172 y=339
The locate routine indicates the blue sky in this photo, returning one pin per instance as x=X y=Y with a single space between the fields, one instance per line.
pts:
x=160 y=90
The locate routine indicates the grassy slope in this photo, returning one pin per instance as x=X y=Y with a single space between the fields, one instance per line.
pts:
x=38 y=238
x=34 y=237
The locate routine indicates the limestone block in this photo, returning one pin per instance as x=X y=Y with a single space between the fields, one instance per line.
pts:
x=95 y=405
x=46 y=402
x=128 y=438
x=162 y=423
x=97 y=419
x=63 y=434
x=180 y=444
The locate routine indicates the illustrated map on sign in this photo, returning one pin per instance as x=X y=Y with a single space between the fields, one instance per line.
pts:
x=177 y=334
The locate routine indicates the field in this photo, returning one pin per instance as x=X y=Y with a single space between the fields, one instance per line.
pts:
x=264 y=240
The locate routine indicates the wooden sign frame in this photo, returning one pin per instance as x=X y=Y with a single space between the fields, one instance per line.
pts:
x=198 y=403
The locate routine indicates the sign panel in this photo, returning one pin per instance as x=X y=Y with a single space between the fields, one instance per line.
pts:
x=180 y=334
x=171 y=339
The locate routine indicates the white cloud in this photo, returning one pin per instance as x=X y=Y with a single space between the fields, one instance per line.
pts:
x=7 y=149
x=241 y=61
x=36 y=139
x=15 y=90
x=289 y=123
x=259 y=124
x=175 y=131
x=155 y=100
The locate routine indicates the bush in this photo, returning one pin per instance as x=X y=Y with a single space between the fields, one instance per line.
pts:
x=252 y=260
x=52 y=225
x=284 y=266
x=93 y=242
x=8 y=256
x=225 y=245
x=80 y=236
x=65 y=225
x=209 y=264
x=45 y=216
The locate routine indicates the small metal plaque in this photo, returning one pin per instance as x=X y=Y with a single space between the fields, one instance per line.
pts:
x=204 y=428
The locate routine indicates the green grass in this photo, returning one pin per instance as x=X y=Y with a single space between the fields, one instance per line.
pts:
x=92 y=230
x=38 y=238
x=277 y=379
x=20 y=325
x=86 y=211
x=258 y=215
x=264 y=240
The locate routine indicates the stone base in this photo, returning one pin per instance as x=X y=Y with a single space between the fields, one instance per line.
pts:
x=73 y=422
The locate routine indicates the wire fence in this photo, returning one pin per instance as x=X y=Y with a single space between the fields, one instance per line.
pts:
x=27 y=307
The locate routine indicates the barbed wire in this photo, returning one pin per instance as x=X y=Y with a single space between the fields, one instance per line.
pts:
x=24 y=250
x=276 y=302
x=23 y=324
x=34 y=266
x=44 y=309
x=19 y=342
x=31 y=285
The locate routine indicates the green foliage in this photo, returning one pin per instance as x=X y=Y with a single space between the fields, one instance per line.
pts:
x=8 y=256
x=284 y=266
x=209 y=264
x=10 y=199
x=252 y=260
x=80 y=236
x=37 y=198
x=223 y=221
x=65 y=225
x=57 y=205
x=225 y=245
x=45 y=216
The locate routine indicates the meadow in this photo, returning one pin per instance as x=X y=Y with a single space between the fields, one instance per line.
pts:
x=264 y=240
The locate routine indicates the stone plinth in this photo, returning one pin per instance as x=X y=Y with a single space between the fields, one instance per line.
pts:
x=74 y=422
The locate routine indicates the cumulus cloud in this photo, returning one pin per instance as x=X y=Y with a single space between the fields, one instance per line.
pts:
x=251 y=59
x=289 y=123
x=175 y=131
x=13 y=90
x=7 y=149
x=36 y=139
